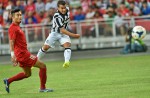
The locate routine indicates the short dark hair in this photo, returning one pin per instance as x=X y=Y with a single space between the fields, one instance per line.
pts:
x=15 y=10
x=61 y=2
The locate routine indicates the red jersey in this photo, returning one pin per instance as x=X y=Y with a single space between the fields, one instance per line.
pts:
x=20 y=45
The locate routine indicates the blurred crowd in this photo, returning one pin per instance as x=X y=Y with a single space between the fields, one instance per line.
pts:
x=41 y=11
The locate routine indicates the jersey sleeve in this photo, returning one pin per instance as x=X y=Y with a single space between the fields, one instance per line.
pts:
x=59 y=22
x=12 y=34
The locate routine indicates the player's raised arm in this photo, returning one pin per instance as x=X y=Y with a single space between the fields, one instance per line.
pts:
x=64 y=31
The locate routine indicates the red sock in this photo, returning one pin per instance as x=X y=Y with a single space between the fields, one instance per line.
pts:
x=17 y=77
x=43 y=77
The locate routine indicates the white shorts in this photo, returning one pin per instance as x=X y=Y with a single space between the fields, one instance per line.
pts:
x=53 y=37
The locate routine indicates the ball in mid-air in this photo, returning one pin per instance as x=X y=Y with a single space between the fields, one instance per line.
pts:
x=138 y=32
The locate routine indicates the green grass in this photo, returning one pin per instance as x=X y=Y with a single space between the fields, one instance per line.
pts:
x=116 y=77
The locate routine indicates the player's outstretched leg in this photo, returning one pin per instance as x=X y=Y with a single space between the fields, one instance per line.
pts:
x=17 y=77
x=67 y=56
x=6 y=85
x=43 y=76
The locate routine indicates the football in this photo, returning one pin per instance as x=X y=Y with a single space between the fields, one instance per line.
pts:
x=138 y=32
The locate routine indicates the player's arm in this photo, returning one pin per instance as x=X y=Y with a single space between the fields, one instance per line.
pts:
x=13 y=58
x=64 y=31
x=11 y=45
x=12 y=37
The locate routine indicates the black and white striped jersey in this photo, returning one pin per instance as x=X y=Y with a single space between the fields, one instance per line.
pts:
x=59 y=21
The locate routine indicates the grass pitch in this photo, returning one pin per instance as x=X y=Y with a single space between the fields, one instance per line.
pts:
x=116 y=77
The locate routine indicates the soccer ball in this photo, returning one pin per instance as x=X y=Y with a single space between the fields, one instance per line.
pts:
x=138 y=32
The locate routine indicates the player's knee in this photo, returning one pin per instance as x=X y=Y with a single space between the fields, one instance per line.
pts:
x=66 y=45
x=27 y=75
x=43 y=65
x=45 y=47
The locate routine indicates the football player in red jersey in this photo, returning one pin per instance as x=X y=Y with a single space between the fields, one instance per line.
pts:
x=21 y=56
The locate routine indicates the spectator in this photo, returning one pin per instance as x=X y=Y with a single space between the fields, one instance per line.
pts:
x=109 y=18
x=79 y=14
x=99 y=10
x=1 y=34
x=109 y=14
x=6 y=13
x=20 y=6
x=112 y=3
x=145 y=10
x=40 y=16
x=129 y=18
x=136 y=10
x=119 y=1
x=30 y=16
x=10 y=4
x=50 y=4
x=47 y=20
x=1 y=19
x=76 y=3
x=30 y=7
x=131 y=13
x=9 y=20
x=100 y=4
x=133 y=1
x=4 y=3
x=141 y=2
x=39 y=6
x=31 y=30
x=72 y=12
x=119 y=23
x=1 y=9
x=90 y=13
x=97 y=15
x=30 y=21
x=84 y=5
x=123 y=9
x=48 y=16
x=51 y=12
x=1 y=15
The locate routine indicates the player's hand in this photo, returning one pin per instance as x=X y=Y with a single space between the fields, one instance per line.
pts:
x=14 y=61
x=76 y=35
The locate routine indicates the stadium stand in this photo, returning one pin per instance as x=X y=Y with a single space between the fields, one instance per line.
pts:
x=88 y=8
x=93 y=18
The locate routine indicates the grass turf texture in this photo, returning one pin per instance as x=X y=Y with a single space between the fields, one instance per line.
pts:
x=117 y=77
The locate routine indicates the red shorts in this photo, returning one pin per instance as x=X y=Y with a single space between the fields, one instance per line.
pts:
x=27 y=60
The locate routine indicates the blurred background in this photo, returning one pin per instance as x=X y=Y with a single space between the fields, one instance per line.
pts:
x=102 y=24
x=96 y=60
